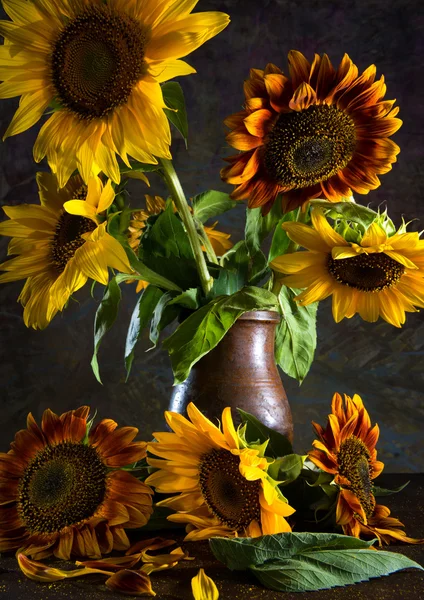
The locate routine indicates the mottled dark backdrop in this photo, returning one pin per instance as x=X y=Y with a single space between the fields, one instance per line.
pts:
x=52 y=368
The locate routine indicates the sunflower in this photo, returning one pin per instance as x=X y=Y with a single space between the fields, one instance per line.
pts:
x=99 y=64
x=63 y=490
x=380 y=276
x=219 y=240
x=320 y=132
x=346 y=449
x=60 y=244
x=225 y=489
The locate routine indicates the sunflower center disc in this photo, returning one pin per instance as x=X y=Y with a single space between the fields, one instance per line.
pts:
x=67 y=238
x=231 y=498
x=366 y=272
x=63 y=485
x=354 y=463
x=309 y=146
x=96 y=61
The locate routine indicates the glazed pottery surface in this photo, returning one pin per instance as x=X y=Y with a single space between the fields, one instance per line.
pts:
x=241 y=373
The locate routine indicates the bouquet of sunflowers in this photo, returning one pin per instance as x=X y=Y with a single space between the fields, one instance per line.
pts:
x=99 y=74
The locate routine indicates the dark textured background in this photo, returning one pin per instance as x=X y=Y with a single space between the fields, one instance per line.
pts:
x=385 y=365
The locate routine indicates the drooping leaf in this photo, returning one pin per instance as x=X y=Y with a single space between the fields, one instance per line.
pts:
x=211 y=204
x=226 y=283
x=258 y=227
x=145 y=273
x=379 y=491
x=237 y=260
x=173 y=96
x=140 y=317
x=347 y=210
x=298 y=562
x=287 y=468
x=296 y=336
x=167 y=237
x=105 y=317
x=163 y=315
x=278 y=444
x=280 y=239
x=205 y=328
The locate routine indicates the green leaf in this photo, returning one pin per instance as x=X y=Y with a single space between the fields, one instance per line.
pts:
x=163 y=315
x=258 y=268
x=165 y=249
x=189 y=299
x=329 y=569
x=145 y=273
x=379 y=491
x=278 y=444
x=296 y=336
x=299 y=562
x=227 y=282
x=347 y=210
x=140 y=317
x=258 y=227
x=242 y=553
x=280 y=239
x=139 y=166
x=287 y=469
x=174 y=98
x=205 y=328
x=237 y=260
x=105 y=318
x=210 y=204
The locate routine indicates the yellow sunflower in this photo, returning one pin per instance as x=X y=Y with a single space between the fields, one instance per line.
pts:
x=63 y=490
x=223 y=483
x=380 y=276
x=60 y=244
x=321 y=132
x=219 y=240
x=99 y=64
x=346 y=449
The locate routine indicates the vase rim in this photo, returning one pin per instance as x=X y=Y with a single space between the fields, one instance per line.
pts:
x=261 y=315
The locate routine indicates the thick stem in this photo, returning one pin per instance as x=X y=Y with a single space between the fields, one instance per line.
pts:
x=179 y=198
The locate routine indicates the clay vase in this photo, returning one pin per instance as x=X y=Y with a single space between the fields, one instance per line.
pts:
x=240 y=372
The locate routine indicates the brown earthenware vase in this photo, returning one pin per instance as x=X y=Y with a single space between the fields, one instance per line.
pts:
x=240 y=372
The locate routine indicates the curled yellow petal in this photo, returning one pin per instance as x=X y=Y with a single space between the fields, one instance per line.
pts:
x=204 y=587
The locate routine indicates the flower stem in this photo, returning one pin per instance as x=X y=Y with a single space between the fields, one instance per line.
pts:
x=180 y=200
x=206 y=242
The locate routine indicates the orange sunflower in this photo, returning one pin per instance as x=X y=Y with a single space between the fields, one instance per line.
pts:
x=347 y=450
x=223 y=484
x=63 y=489
x=321 y=132
x=99 y=65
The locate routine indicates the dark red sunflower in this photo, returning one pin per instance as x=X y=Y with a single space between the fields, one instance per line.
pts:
x=63 y=490
x=347 y=449
x=320 y=132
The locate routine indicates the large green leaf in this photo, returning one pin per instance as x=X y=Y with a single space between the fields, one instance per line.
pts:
x=140 y=317
x=296 y=336
x=258 y=227
x=145 y=273
x=166 y=250
x=105 y=317
x=174 y=98
x=237 y=260
x=210 y=204
x=205 y=328
x=278 y=444
x=297 y=562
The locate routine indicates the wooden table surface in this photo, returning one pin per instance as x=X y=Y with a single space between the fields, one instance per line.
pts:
x=175 y=584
